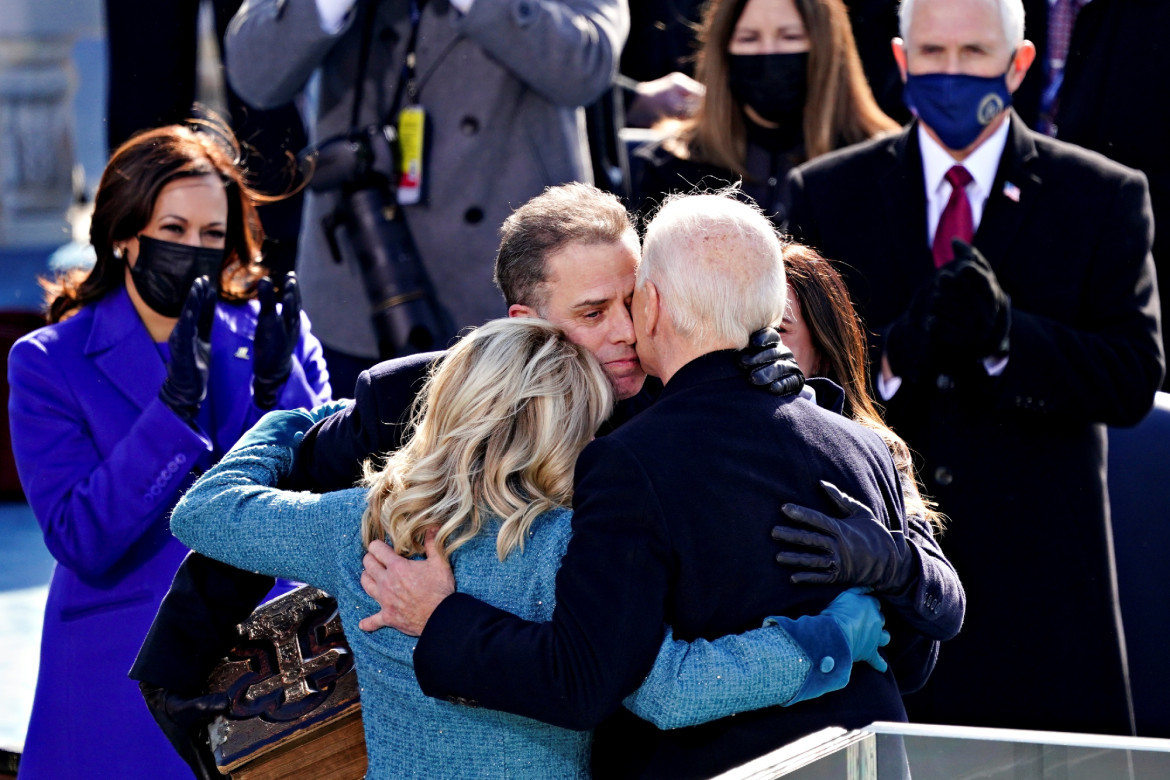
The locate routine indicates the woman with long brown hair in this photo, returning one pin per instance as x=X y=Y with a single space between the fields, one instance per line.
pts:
x=907 y=569
x=153 y=364
x=784 y=84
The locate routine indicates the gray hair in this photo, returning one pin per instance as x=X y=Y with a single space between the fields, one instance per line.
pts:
x=572 y=213
x=1011 y=12
x=718 y=267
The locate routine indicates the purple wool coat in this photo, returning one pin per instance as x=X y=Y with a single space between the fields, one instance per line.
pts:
x=102 y=462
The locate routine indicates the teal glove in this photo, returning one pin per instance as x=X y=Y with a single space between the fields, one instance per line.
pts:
x=328 y=409
x=860 y=618
x=281 y=428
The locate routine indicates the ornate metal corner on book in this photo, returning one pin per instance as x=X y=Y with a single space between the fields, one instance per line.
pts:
x=290 y=675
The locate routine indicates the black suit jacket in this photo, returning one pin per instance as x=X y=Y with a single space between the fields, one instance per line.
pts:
x=1016 y=461
x=672 y=514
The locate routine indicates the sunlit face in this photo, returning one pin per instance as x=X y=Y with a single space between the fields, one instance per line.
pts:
x=191 y=211
x=795 y=334
x=958 y=37
x=962 y=37
x=769 y=27
x=588 y=288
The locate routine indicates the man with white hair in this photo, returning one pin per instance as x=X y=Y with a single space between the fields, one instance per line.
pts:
x=1010 y=282
x=670 y=511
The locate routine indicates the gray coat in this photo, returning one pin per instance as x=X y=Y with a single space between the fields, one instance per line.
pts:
x=502 y=86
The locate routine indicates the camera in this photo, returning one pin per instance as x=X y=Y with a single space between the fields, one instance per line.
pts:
x=360 y=167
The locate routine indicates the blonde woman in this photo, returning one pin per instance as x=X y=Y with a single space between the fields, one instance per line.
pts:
x=485 y=479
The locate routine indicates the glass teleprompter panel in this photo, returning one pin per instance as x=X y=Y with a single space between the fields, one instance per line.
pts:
x=904 y=751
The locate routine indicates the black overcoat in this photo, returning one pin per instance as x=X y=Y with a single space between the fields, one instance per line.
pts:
x=1016 y=461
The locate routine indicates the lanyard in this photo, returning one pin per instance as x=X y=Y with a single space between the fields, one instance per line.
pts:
x=409 y=73
x=408 y=80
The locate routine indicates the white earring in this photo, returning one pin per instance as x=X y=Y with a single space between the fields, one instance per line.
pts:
x=119 y=253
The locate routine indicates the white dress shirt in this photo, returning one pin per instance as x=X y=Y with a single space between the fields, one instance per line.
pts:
x=936 y=161
x=981 y=164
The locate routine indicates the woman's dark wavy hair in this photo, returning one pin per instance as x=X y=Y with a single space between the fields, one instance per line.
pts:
x=135 y=175
x=837 y=335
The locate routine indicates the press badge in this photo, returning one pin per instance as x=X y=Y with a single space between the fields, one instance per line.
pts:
x=412 y=122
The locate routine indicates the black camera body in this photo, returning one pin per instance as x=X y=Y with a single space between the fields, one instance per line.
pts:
x=360 y=167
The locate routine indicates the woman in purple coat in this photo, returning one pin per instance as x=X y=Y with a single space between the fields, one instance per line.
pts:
x=154 y=363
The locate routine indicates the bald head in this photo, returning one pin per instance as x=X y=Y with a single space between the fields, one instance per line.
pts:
x=717 y=267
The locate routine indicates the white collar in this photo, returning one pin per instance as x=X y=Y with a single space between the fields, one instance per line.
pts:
x=981 y=163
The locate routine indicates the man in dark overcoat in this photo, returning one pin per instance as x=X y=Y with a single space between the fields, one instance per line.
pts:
x=1002 y=366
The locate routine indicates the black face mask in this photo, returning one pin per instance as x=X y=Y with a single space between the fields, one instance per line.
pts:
x=774 y=85
x=165 y=271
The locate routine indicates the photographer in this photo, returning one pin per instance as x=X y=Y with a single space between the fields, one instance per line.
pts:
x=499 y=82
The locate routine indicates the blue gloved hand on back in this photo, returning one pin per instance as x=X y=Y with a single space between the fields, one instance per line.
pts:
x=860 y=618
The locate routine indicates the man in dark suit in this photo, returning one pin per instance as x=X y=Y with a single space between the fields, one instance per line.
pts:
x=1003 y=367
x=668 y=510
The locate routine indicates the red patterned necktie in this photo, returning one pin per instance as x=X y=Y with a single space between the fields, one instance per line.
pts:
x=956 y=220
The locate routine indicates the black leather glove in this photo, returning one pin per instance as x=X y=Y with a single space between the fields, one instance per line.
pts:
x=857 y=550
x=972 y=313
x=190 y=343
x=908 y=338
x=770 y=364
x=184 y=721
x=276 y=338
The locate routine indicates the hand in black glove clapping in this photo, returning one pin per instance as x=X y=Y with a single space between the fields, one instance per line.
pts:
x=973 y=313
x=184 y=721
x=857 y=550
x=277 y=334
x=770 y=364
x=190 y=345
x=908 y=339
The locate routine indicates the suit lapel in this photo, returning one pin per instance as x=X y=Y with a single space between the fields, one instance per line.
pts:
x=121 y=348
x=903 y=194
x=1013 y=195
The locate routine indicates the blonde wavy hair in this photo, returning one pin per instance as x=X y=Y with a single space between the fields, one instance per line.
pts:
x=496 y=431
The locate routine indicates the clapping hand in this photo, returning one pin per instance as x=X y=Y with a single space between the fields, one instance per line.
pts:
x=908 y=340
x=972 y=312
x=277 y=334
x=190 y=345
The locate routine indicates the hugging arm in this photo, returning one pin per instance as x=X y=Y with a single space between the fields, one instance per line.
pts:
x=784 y=662
x=331 y=454
x=905 y=567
